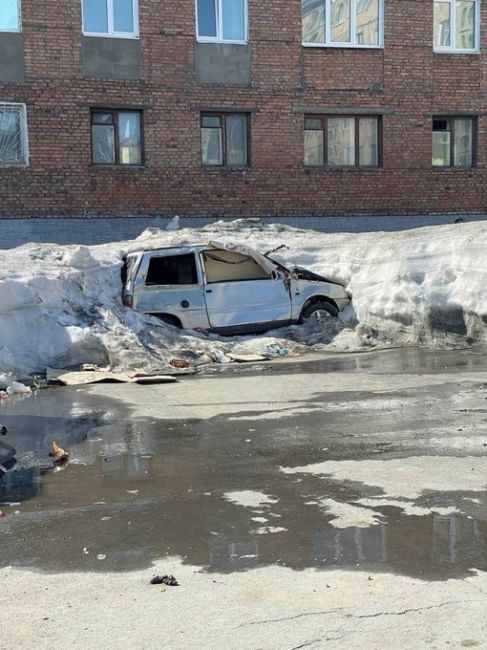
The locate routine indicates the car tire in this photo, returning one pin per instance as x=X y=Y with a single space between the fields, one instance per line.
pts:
x=319 y=311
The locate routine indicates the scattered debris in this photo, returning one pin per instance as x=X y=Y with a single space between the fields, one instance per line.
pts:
x=170 y=581
x=101 y=556
x=179 y=363
x=2 y=514
x=3 y=430
x=3 y=395
x=219 y=357
x=60 y=455
x=16 y=388
x=247 y=358
x=81 y=377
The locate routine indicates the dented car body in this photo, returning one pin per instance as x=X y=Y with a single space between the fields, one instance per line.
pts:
x=226 y=288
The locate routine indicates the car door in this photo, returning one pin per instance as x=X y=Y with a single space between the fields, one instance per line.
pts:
x=240 y=292
x=169 y=282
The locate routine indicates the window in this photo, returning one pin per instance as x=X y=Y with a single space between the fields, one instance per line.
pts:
x=10 y=16
x=342 y=23
x=221 y=21
x=225 y=139
x=342 y=141
x=453 y=141
x=172 y=269
x=229 y=266
x=118 y=18
x=13 y=135
x=116 y=137
x=456 y=25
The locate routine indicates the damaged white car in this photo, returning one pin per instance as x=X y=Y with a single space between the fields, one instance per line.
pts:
x=226 y=288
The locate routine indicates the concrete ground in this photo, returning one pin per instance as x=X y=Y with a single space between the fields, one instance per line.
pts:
x=331 y=502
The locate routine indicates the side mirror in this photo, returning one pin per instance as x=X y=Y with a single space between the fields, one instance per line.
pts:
x=275 y=275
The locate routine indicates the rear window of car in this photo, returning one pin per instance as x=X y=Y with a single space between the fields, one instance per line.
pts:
x=172 y=269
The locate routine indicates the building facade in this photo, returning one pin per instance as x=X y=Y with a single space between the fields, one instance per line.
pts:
x=242 y=108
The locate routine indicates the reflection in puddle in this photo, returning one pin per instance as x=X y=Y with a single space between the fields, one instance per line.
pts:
x=140 y=490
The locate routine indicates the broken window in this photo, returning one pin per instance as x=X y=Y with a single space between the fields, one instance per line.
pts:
x=13 y=135
x=453 y=141
x=172 y=269
x=228 y=266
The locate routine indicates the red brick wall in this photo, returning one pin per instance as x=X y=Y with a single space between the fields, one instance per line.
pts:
x=406 y=76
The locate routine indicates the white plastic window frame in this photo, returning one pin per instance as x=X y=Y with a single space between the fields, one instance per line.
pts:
x=24 y=135
x=353 y=30
x=219 y=26
x=452 y=49
x=19 y=30
x=111 y=33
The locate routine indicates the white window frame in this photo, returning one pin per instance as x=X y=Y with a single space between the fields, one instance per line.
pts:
x=452 y=49
x=111 y=33
x=353 y=29
x=219 y=26
x=24 y=135
x=19 y=30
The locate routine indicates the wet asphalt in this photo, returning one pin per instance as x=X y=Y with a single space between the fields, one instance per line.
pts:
x=140 y=489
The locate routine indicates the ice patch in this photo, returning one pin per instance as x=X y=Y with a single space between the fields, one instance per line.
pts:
x=250 y=498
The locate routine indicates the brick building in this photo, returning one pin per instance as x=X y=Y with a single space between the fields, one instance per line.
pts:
x=242 y=107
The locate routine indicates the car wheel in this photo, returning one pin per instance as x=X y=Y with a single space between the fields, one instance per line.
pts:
x=319 y=311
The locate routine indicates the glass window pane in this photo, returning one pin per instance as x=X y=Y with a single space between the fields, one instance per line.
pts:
x=313 y=147
x=442 y=24
x=341 y=141
x=211 y=147
x=95 y=16
x=369 y=141
x=340 y=21
x=463 y=143
x=367 y=22
x=465 y=25
x=236 y=139
x=313 y=20
x=313 y=123
x=11 y=136
x=102 y=118
x=9 y=15
x=129 y=139
x=103 y=142
x=233 y=18
x=441 y=148
x=206 y=18
x=211 y=121
x=123 y=16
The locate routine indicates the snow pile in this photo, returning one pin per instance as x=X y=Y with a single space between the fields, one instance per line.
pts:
x=61 y=306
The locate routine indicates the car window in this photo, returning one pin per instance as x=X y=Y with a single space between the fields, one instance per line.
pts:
x=172 y=269
x=229 y=266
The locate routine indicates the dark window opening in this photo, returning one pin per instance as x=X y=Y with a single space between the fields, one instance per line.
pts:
x=173 y=269
x=454 y=140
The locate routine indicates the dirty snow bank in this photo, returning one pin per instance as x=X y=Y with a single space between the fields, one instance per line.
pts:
x=61 y=306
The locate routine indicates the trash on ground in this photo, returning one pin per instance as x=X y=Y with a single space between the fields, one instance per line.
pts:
x=81 y=377
x=219 y=356
x=3 y=430
x=2 y=514
x=16 y=388
x=3 y=395
x=179 y=363
x=247 y=358
x=59 y=454
x=170 y=581
x=101 y=556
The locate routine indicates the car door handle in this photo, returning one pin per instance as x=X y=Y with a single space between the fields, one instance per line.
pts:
x=209 y=291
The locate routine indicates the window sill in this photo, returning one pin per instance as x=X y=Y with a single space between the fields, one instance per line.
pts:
x=227 y=168
x=131 y=168
x=451 y=168
x=13 y=165
x=11 y=31
x=346 y=46
x=344 y=168
x=455 y=51
x=217 y=41
x=132 y=37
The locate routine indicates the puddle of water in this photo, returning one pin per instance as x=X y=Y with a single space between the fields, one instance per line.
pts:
x=140 y=490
